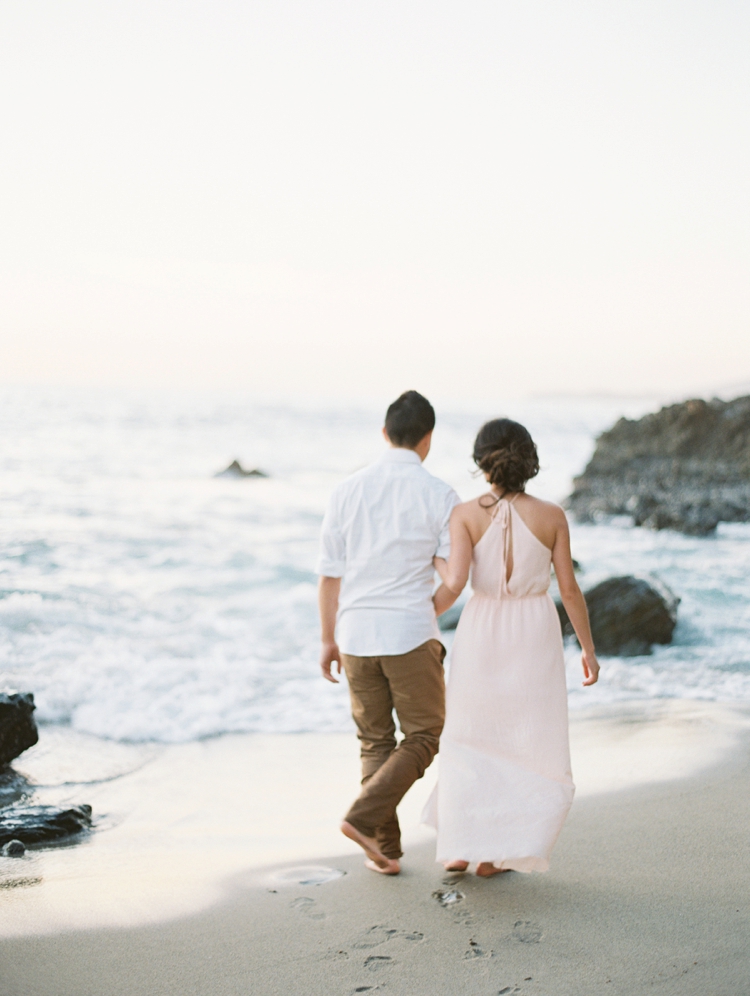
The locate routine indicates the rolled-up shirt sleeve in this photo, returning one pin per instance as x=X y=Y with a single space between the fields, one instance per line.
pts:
x=444 y=540
x=332 y=558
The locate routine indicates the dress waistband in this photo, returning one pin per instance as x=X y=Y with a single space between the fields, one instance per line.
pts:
x=507 y=597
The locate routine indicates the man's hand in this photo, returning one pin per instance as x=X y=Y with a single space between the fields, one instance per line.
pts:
x=330 y=655
x=328 y=602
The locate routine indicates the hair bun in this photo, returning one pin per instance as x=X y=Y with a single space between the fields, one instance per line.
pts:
x=506 y=453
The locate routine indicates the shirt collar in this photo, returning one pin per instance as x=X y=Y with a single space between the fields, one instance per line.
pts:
x=397 y=454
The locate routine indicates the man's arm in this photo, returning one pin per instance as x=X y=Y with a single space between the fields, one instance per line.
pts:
x=328 y=604
x=331 y=566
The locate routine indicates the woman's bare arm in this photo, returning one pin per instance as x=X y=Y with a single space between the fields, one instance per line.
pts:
x=573 y=600
x=454 y=573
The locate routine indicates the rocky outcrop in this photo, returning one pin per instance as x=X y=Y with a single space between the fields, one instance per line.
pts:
x=22 y=823
x=17 y=726
x=235 y=469
x=42 y=824
x=628 y=615
x=686 y=467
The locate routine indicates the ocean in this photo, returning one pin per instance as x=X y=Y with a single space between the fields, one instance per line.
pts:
x=143 y=599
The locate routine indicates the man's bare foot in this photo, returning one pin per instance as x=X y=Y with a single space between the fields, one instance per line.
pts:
x=393 y=867
x=386 y=866
x=455 y=866
x=486 y=869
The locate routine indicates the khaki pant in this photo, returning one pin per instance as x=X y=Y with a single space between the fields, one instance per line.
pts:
x=413 y=685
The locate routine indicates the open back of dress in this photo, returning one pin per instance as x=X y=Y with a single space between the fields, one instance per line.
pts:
x=505 y=785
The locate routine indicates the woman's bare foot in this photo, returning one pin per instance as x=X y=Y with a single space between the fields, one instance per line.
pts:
x=455 y=866
x=378 y=861
x=486 y=869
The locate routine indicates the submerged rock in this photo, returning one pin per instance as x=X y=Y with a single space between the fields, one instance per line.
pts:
x=686 y=467
x=628 y=615
x=17 y=726
x=235 y=469
x=42 y=824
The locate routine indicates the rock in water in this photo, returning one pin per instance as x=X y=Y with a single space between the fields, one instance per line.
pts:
x=17 y=727
x=14 y=849
x=628 y=615
x=686 y=467
x=42 y=824
x=235 y=469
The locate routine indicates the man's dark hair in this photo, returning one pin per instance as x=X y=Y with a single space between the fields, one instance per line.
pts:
x=409 y=419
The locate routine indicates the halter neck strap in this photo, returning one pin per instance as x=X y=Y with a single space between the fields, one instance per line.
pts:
x=502 y=518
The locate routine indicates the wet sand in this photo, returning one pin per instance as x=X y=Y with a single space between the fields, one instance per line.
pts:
x=649 y=891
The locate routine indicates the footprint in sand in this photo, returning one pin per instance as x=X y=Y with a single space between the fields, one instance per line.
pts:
x=448 y=898
x=375 y=963
x=379 y=935
x=333 y=955
x=373 y=937
x=527 y=932
x=307 y=908
x=476 y=951
x=508 y=991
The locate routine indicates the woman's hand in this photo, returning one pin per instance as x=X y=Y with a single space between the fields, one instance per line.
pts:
x=441 y=566
x=590 y=668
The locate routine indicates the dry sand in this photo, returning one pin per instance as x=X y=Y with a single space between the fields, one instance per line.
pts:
x=649 y=891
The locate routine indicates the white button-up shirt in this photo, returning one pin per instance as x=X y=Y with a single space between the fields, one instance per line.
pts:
x=383 y=526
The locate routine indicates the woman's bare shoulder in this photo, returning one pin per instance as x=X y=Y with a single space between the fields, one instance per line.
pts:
x=475 y=508
x=548 y=510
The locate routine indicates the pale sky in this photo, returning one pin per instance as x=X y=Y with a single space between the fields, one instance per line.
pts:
x=347 y=198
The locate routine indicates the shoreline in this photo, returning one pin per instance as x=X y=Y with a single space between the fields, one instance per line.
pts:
x=178 y=825
x=648 y=891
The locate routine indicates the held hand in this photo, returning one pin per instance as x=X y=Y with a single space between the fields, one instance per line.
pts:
x=330 y=655
x=590 y=668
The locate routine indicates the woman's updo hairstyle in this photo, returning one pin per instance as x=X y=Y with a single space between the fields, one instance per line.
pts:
x=505 y=451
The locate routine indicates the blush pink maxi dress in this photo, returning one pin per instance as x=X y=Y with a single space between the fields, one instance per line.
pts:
x=505 y=785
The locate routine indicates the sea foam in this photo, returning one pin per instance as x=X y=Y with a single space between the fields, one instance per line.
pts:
x=141 y=599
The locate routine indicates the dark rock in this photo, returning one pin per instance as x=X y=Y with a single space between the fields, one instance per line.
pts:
x=14 y=849
x=17 y=727
x=235 y=469
x=628 y=615
x=42 y=824
x=686 y=467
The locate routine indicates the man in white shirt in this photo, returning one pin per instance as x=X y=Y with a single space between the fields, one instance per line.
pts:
x=383 y=526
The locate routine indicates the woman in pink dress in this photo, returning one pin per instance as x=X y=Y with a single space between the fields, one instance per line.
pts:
x=505 y=784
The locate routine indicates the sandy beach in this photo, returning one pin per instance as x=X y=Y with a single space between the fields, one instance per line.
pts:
x=198 y=888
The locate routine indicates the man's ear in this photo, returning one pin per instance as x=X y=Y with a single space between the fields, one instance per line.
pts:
x=423 y=446
x=386 y=437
